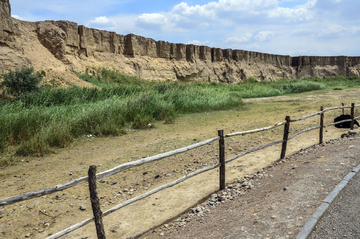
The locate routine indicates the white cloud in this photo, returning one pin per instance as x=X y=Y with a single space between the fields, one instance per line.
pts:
x=301 y=32
x=200 y=43
x=245 y=38
x=102 y=22
x=153 y=21
x=332 y=31
x=17 y=17
x=264 y=36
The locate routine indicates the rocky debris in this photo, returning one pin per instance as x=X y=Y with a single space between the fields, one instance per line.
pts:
x=232 y=191
x=349 y=134
x=352 y=132
x=82 y=208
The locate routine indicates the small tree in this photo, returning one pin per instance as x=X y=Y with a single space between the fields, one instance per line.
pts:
x=21 y=81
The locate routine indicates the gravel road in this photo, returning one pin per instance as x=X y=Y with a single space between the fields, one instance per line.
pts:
x=342 y=219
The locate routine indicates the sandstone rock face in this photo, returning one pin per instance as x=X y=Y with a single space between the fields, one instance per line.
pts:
x=6 y=25
x=78 y=48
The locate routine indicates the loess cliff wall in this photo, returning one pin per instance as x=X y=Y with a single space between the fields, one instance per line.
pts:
x=62 y=45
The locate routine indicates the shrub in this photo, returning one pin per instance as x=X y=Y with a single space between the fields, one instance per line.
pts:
x=21 y=81
x=252 y=80
x=141 y=121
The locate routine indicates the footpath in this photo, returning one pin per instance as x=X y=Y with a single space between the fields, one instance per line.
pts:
x=279 y=200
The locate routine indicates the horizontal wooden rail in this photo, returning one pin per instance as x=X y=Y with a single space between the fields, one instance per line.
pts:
x=130 y=201
x=253 y=150
x=347 y=120
x=139 y=162
x=255 y=130
x=317 y=127
x=319 y=112
x=336 y=108
x=42 y=192
x=303 y=131
x=110 y=172
x=308 y=116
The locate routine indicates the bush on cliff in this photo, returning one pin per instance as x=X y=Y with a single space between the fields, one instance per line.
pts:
x=21 y=81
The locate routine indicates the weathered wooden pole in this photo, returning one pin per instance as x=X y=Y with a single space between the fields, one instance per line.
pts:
x=352 y=116
x=95 y=203
x=321 y=134
x=285 y=138
x=222 y=159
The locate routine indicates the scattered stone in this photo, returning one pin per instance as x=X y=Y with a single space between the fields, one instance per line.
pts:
x=351 y=146
x=28 y=234
x=352 y=132
x=82 y=208
x=162 y=234
x=286 y=188
x=274 y=216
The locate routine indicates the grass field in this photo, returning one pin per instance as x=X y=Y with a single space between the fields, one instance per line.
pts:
x=37 y=123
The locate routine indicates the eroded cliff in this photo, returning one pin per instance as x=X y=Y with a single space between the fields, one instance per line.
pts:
x=62 y=45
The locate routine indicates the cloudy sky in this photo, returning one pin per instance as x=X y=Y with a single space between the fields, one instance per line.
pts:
x=289 y=27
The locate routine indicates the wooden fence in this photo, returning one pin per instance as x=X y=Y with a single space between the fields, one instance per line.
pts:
x=91 y=178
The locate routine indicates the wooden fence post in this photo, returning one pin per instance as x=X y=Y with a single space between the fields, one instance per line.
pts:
x=285 y=138
x=321 y=125
x=95 y=203
x=222 y=159
x=352 y=116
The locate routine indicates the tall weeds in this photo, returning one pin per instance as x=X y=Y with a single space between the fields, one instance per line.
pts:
x=39 y=121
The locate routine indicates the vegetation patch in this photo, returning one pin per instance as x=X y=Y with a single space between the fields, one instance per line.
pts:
x=42 y=119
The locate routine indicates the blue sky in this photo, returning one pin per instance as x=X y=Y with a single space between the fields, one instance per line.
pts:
x=288 y=27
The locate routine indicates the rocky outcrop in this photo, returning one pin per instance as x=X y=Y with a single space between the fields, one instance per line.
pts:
x=6 y=25
x=11 y=52
x=79 y=47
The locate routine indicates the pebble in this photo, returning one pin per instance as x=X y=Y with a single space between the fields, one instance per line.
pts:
x=82 y=208
x=28 y=234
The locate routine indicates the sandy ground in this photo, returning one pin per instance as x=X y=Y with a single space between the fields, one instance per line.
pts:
x=40 y=217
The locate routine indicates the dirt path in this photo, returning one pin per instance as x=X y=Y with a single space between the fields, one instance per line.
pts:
x=47 y=215
x=282 y=198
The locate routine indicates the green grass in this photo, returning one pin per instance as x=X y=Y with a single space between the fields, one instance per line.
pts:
x=39 y=122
